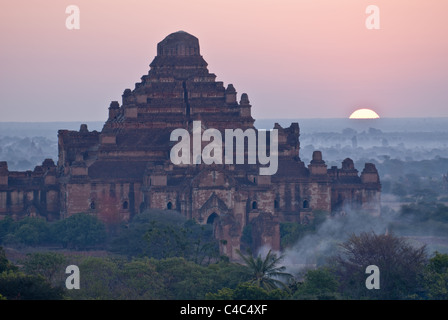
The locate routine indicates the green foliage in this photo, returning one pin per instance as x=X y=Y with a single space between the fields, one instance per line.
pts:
x=130 y=240
x=98 y=279
x=186 y=280
x=222 y=294
x=5 y=265
x=144 y=278
x=163 y=234
x=5 y=227
x=166 y=240
x=264 y=272
x=50 y=265
x=79 y=231
x=227 y=274
x=106 y=279
x=20 y=286
x=319 y=284
x=248 y=291
x=435 y=279
x=28 y=285
x=140 y=280
x=291 y=233
x=15 y=285
x=30 y=231
x=183 y=279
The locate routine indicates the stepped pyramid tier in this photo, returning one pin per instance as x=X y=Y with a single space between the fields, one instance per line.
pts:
x=179 y=89
x=126 y=168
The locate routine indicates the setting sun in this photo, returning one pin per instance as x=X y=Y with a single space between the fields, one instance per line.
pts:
x=364 y=114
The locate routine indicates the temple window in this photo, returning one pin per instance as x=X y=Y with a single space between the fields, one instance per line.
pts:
x=276 y=204
x=306 y=204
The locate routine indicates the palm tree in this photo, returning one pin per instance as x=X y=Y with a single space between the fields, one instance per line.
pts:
x=264 y=271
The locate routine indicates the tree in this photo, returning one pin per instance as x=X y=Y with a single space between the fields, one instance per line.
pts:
x=5 y=264
x=203 y=247
x=20 y=286
x=319 y=284
x=5 y=227
x=117 y=279
x=399 y=263
x=50 y=265
x=264 y=271
x=166 y=241
x=186 y=280
x=98 y=279
x=222 y=294
x=140 y=280
x=247 y=291
x=16 y=285
x=79 y=231
x=30 y=231
x=130 y=240
x=435 y=279
x=163 y=234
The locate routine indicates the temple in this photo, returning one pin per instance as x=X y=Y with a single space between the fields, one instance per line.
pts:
x=125 y=169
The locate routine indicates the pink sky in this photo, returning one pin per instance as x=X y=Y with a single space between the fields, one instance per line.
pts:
x=294 y=58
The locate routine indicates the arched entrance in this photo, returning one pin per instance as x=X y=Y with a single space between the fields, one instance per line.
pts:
x=212 y=218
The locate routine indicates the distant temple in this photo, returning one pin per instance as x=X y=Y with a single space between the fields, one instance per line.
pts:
x=125 y=169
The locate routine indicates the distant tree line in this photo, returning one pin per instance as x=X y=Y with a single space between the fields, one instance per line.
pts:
x=406 y=272
x=80 y=231
x=163 y=255
x=157 y=234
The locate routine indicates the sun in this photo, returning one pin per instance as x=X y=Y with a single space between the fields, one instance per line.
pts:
x=364 y=114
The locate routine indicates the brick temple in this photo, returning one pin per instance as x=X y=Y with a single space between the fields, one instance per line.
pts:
x=125 y=169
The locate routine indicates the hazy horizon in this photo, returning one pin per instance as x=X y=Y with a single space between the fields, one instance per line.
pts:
x=297 y=59
x=261 y=118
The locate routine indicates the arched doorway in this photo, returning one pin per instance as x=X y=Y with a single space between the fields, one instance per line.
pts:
x=212 y=218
